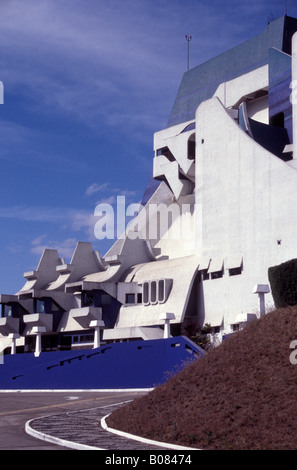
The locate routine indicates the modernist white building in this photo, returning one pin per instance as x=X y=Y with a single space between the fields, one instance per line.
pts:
x=220 y=210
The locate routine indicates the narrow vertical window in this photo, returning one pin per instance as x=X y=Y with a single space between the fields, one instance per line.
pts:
x=153 y=296
x=145 y=293
x=161 y=291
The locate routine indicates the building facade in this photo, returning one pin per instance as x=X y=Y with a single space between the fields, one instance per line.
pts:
x=220 y=210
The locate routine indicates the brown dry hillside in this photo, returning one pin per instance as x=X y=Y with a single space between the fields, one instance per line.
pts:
x=242 y=395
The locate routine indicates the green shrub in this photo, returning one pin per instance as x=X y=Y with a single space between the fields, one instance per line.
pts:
x=199 y=335
x=283 y=283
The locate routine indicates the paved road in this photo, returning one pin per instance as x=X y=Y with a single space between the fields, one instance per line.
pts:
x=17 y=408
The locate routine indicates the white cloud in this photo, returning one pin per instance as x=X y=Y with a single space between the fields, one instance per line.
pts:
x=65 y=247
x=114 y=192
x=74 y=220
x=36 y=214
x=83 y=221
x=38 y=240
x=107 y=200
x=108 y=63
x=102 y=61
x=96 y=188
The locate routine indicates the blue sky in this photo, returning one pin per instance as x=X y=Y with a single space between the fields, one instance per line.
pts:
x=86 y=84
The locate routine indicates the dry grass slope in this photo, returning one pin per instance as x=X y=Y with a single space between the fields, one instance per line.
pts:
x=242 y=395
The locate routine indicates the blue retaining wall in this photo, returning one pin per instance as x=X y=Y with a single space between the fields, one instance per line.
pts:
x=136 y=364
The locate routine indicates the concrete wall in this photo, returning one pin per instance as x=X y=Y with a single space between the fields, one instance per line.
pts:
x=248 y=200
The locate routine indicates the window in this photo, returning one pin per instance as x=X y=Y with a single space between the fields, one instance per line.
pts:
x=235 y=327
x=235 y=271
x=165 y=151
x=215 y=329
x=204 y=275
x=39 y=306
x=146 y=293
x=154 y=292
x=46 y=305
x=234 y=264
x=161 y=291
x=217 y=275
x=130 y=299
x=87 y=299
x=192 y=147
x=6 y=310
x=89 y=338
x=153 y=296
x=86 y=338
x=139 y=298
x=216 y=268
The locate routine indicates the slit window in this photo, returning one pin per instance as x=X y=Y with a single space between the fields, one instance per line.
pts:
x=161 y=290
x=192 y=147
x=145 y=293
x=234 y=265
x=153 y=295
x=216 y=268
x=217 y=274
x=154 y=292
x=235 y=271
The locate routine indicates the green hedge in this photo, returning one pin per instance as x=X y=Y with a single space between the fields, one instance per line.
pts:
x=283 y=283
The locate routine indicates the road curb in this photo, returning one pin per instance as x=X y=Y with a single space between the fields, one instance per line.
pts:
x=142 y=439
x=56 y=440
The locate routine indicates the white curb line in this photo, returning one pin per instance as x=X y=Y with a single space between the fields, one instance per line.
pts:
x=142 y=439
x=75 y=445
x=74 y=390
x=56 y=440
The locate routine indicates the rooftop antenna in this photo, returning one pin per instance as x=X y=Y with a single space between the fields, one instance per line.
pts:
x=188 y=39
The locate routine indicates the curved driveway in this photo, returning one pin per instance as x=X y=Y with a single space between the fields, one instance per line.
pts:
x=17 y=408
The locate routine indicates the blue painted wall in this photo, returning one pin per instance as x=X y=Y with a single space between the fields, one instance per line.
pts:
x=135 y=364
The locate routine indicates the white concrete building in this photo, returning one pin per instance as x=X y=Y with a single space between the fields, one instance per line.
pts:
x=221 y=211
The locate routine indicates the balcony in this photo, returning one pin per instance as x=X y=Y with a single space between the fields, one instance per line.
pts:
x=9 y=325
x=44 y=320
x=85 y=315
